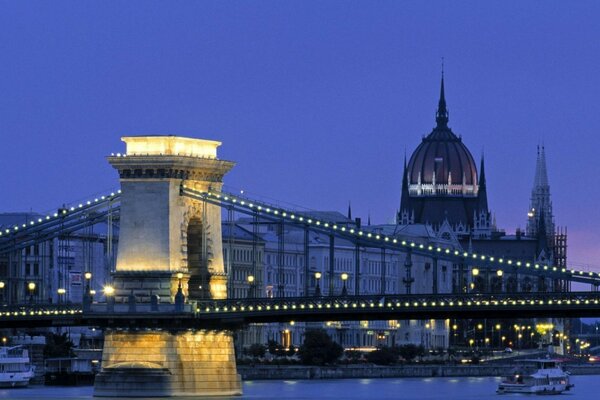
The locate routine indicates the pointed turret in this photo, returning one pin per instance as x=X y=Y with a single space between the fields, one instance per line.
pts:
x=542 y=237
x=482 y=194
x=349 y=210
x=404 y=197
x=441 y=117
x=540 y=204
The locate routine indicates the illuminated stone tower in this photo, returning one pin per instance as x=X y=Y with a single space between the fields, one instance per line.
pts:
x=167 y=240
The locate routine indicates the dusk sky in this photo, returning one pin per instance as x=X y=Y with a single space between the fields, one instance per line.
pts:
x=316 y=101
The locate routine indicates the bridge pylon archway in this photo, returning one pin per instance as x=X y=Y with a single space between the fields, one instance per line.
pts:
x=168 y=241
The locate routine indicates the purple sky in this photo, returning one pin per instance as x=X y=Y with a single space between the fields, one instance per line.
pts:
x=316 y=101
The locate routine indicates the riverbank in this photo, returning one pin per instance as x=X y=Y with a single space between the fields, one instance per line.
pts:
x=294 y=372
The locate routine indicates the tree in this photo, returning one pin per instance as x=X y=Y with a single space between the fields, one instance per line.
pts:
x=353 y=356
x=410 y=351
x=58 y=345
x=318 y=348
x=275 y=348
x=256 y=350
x=383 y=356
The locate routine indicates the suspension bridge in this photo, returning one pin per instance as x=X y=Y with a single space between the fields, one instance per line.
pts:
x=169 y=184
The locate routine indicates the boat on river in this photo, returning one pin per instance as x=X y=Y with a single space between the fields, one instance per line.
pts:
x=15 y=367
x=540 y=376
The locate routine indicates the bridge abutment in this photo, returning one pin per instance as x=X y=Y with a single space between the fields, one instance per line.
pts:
x=161 y=363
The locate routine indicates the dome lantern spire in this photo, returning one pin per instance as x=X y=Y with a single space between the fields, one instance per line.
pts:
x=441 y=117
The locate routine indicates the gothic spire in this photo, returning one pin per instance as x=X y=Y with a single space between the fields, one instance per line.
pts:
x=441 y=117
x=540 y=208
x=349 y=211
x=404 y=197
x=541 y=173
x=482 y=193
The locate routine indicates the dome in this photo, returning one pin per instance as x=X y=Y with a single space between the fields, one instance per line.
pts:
x=446 y=155
x=442 y=162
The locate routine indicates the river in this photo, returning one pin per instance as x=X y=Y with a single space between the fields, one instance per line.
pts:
x=586 y=387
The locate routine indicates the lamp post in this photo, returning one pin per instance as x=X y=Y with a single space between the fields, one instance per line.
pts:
x=344 y=279
x=88 y=279
x=61 y=292
x=87 y=297
x=250 y=286
x=179 y=297
x=474 y=275
x=498 y=328
x=31 y=287
x=318 y=288
x=2 y=284
x=109 y=291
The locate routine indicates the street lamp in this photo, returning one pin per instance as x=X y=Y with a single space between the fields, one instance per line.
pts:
x=2 y=284
x=250 y=286
x=498 y=327
x=61 y=292
x=344 y=279
x=31 y=287
x=109 y=291
x=87 y=297
x=318 y=288
x=179 y=297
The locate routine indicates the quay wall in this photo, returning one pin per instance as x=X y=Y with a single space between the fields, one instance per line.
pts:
x=279 y=372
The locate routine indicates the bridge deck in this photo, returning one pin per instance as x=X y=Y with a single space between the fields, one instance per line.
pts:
x=237 y=312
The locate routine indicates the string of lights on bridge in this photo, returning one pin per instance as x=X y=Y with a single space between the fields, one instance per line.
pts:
x=293 y=216
x=433 y=304
x=378 y=238
x=59 y=214
x=32 y=313
x=337 y=304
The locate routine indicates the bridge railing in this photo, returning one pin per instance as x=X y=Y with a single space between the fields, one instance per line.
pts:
x=406 y=301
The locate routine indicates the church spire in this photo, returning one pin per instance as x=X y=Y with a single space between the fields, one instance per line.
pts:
x=540 y=208
x=349 y=211
x=441 y=117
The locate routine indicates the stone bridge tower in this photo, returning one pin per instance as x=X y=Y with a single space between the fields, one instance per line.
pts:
x=164 y=235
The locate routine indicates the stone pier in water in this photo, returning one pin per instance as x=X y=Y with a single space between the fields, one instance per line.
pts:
x=170 y=249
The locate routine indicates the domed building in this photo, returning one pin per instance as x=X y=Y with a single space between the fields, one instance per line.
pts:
x=440 y=183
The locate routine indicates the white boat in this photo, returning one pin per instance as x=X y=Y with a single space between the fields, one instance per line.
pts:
x=543 y=376
x=15 y=367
